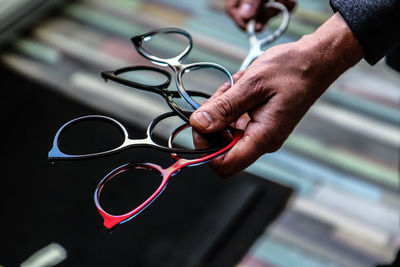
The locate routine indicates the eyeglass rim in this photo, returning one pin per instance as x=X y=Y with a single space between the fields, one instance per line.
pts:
x=170 y=149
x=138 y=40
x=114 y=76
x=184 y=115
x=161 y=89
x=250 y=29
x=171 y=139
x=175 y=62
x=111 y=221
x=187 y=68
x=55 y=152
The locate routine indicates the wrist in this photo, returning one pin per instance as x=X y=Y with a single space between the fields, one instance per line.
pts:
x=332 y=48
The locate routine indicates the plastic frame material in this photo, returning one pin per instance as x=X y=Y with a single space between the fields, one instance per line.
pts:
x=161 y=89
x=175 y=63
x=111 y=221
x=56 y=154
x=257 y=44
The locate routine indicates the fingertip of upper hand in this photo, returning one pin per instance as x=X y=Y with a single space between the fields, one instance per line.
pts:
x=291 y=5
x=241 y=24
x=259 y=27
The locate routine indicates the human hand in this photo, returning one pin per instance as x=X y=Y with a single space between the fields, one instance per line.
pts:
x=241 y=11
x=270 y=98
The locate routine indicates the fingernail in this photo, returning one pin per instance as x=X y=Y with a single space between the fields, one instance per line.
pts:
x=246 y=10
x=202 y=118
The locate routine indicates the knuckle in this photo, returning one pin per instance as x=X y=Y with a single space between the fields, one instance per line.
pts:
x=224 y=108
x=257 y=83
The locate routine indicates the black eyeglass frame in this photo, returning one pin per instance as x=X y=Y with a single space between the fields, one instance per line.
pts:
x=161 y=89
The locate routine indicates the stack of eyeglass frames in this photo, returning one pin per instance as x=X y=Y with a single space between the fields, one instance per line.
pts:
x=189 y=95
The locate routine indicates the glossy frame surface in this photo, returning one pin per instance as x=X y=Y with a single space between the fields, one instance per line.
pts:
x=111 y=221
x=256 y=44
x=56 y=154
x=175 y=63
x=161 y=89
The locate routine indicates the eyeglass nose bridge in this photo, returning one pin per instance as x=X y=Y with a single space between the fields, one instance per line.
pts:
x=175 y=62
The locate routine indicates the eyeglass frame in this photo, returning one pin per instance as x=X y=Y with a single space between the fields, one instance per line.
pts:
x=256 y=44
x=55 y=152
x=175 y=62
x=161 y=89
x=111 y=221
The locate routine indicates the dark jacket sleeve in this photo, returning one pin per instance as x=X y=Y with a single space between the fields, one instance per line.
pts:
x=375 y=24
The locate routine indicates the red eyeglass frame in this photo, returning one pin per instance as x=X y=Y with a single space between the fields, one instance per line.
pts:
x=111 y=221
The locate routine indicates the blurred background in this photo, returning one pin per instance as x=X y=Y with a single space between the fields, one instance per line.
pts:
x=340 y=166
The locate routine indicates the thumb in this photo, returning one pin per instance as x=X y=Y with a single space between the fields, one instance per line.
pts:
x=218 y=113
x=248 y=8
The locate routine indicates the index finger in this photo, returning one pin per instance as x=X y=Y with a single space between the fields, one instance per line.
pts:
x=225 y=87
